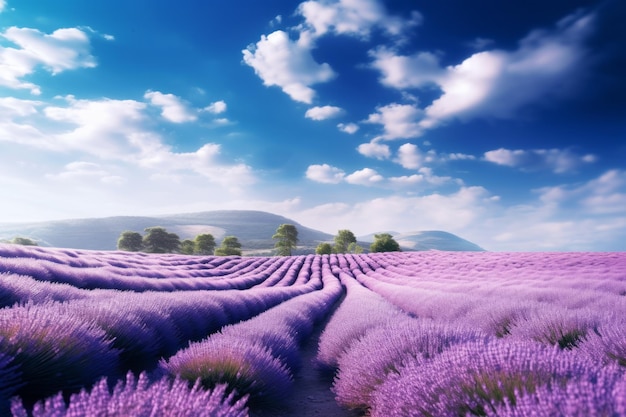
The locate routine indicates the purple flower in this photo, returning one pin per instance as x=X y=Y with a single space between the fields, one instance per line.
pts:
x=137 y=397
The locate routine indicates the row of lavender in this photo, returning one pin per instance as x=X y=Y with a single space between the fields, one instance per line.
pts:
x=492 y=334
x=65 y=326
x=424 y=334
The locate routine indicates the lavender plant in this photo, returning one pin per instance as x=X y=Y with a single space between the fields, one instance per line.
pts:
x=54 y=351
x=138 y=397
x=475 y=378
x=383 y=350
x=247 y=368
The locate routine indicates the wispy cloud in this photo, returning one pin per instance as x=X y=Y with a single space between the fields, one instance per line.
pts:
x=323 y=112
x=62 y=50
x=172 y=107
x=349 y=128
x=217 y=107
x=559 y=161
x=493 y=83
x=354 y=18
x=288 y=64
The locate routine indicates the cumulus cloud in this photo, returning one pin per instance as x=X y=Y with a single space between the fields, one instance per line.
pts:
x=402 y=72
x=557 y=160
x=399 y=121
x=216 y=107
x=62 y=50
x=172 y=107
x=323 y=112
x=354 y=18
x=411 y=157
x=349 y=128
x=493 y=83
x=365 y=176
x=281 y=62
x=2 y=5
x=374 y=149
x=325 y=174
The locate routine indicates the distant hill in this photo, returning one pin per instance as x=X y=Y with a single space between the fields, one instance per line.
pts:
x=254 y=229
x=435 y=239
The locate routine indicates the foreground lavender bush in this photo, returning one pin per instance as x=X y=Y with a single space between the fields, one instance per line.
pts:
x=474 y=378
x=360 y=310
x=246 y=368
x=137 y=397
x=592 y=395
x=383 y=350
x=54 y=351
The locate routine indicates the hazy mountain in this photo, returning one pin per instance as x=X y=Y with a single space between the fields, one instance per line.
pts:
x=254 y=229
x=435 y=239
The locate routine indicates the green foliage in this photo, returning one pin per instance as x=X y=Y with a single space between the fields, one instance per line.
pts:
x=187 y=247
x=23 y=241
x=204 y=244
x=324 y=249
x=354 y=248
x=342 y=241
x=130 y=241
x=159 y=240
x=230 y=247
x=287 y=239
x=384 y=242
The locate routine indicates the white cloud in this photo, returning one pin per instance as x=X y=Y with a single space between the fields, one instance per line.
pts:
x=374 y=149
x=325 y=174
x=353 y=17
x=172 y=107
x=64 y=49
x=216 y=107
x=2 y=5
x=349 y=128
x=493 y=83
x=89 y=171
x=557 y=160
x=578 y=217
x=323 y=112
x=365 y=176
x=400 y=121
x=410 y=156
x=453 y=212
x=279 y=61
x=401 y=72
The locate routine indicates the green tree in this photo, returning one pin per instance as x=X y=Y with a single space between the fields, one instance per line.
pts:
x=187 y=247
x=384 y=242
x=342 y=240
x=354 y=248
x=230 y=246
x=205 y=244
x=287 y=239
x=159 y=240
x=23 y=241
x=324 y=248
x=130 y=241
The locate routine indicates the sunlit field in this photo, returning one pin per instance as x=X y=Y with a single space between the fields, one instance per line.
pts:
x=95 y=333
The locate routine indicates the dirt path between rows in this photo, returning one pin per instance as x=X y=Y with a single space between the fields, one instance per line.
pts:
x=311 y=395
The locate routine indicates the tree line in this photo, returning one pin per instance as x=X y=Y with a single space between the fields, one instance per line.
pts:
x=159 y=240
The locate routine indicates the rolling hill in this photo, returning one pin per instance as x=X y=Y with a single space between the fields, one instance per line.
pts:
x=254 y=229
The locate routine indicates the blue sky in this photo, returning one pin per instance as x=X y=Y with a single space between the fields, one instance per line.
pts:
x=502 y=122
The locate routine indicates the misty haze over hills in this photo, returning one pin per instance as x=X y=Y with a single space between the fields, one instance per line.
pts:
x=254 y=229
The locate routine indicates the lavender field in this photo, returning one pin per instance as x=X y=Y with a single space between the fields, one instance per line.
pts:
x=97 y=333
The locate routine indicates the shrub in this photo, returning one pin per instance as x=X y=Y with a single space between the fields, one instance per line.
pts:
x=137 y=397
